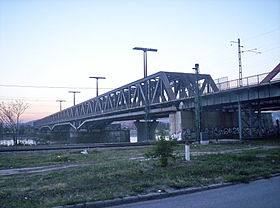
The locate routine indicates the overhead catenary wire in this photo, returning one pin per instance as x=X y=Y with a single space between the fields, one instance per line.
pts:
x=270 y=49
x=261 y=34
x=54 y=87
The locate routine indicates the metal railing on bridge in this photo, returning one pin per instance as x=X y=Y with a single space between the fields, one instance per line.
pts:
x=244 y=82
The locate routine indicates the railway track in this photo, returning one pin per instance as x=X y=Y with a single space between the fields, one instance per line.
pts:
x=69 y=147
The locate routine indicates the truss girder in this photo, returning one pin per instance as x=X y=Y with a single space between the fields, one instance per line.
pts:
x=154 y=89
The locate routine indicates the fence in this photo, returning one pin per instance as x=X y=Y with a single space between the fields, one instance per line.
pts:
x=246 y=81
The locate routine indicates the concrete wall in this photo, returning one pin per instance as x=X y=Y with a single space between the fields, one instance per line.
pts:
x=141 y=131
x=104 y=136
x=179 y=121
x=109 y=134
x=182 y=123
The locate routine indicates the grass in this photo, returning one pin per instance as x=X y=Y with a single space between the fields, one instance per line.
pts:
x=112 y=175
x=19 y=160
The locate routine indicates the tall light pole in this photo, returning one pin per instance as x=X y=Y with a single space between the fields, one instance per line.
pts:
x=147 y=109
x=197 y=103
x=74 y=92
x=60 y=101
x=97 y=78
x=145 y=50
x=239 y=58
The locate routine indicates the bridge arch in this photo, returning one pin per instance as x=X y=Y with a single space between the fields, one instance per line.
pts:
x=61 y=125
x=45 y=129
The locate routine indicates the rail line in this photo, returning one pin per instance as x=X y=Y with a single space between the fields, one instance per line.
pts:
x=69 y=147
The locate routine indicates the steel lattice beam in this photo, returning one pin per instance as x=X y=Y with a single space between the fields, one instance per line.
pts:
x=162 y=87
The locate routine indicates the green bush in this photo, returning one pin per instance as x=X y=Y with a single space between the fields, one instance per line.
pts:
x=47 y=136
x=163 y=150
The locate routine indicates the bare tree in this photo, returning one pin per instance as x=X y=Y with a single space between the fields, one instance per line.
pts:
x=10 y=113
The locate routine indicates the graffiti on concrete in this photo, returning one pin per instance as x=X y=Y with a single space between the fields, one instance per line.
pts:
x=219 y=133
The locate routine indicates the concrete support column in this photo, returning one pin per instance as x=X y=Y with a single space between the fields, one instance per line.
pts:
x=140 y=125
x=73 y=136
x=182 y=121
x=260 y=125
x=179 y=121
x=239 y=121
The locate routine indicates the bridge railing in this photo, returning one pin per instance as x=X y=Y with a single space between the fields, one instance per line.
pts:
x=244 y=82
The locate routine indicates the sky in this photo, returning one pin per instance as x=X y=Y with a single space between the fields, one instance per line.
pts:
x=48 y=47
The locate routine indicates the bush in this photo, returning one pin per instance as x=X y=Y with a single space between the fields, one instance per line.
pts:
x=163 y=150
x=47 y=137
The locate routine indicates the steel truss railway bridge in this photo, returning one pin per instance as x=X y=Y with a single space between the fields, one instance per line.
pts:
x=177 y=96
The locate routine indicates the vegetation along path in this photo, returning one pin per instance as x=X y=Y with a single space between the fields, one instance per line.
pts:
x=60 y=178
x=40 y=169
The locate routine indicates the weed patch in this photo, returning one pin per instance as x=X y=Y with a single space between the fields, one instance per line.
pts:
x=112 y=175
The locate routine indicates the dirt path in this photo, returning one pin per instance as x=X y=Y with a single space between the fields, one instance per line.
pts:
x=239 y=150
x=41 y=169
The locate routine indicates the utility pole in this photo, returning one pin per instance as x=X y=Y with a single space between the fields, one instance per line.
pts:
x=74 y=92
x=60 y=101
x=239 y=46
x=239 y=60
x=197 y=103
x=147 y=94
x=97 y=78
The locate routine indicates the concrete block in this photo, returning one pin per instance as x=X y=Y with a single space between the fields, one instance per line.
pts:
x=79 y=205
x=150 y=196
x=96 y=204
x=130 y=199
x=112 y=202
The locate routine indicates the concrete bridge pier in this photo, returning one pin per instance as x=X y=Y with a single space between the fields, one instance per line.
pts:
x=111 y=133
x=182 y=123
x=141 y=132
x=73 y=135
x=63 y=133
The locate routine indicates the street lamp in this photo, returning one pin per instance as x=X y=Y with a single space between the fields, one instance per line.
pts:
x=197 y=103
x=60 y=101
x=145 y=50
x=74 y=92
x=97 y=78
x=147 y=109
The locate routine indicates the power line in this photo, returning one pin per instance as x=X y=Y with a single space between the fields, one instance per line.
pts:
x=270 y=49
x=27 y=99
x=262 y=34
x=52 y=87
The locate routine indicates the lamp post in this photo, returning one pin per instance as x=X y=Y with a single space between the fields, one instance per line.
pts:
x=145 y=50
x=60 y=101
x=147 y=110
x=74 y=92
x=197 y=103
x=97 y=78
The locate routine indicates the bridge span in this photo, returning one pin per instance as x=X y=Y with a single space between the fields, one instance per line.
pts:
x=176 y=96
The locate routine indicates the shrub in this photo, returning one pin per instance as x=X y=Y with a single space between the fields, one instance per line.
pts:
x=163 y=150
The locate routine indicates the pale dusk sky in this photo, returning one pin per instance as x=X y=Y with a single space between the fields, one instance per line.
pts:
x=60 y=43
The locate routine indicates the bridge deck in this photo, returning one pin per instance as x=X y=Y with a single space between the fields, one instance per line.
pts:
x=162 y=93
